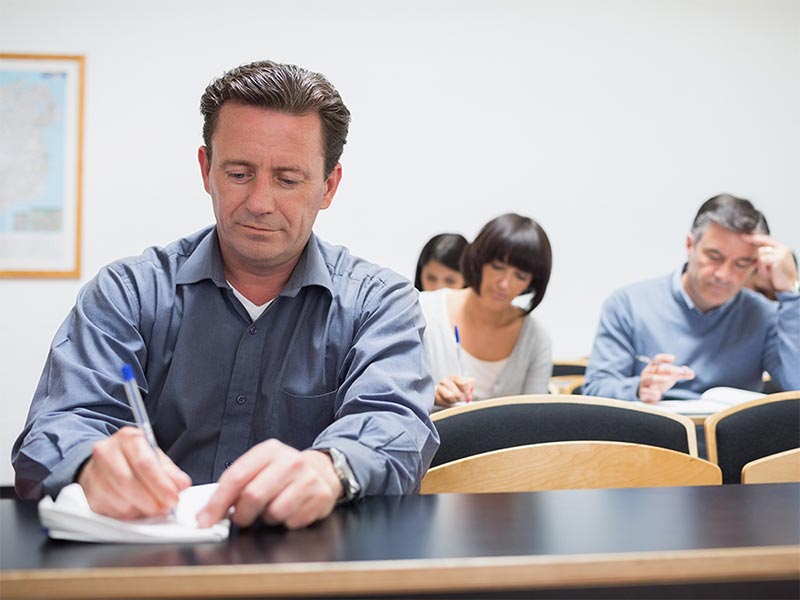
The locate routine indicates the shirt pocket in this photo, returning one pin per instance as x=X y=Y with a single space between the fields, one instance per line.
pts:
x=298 y=420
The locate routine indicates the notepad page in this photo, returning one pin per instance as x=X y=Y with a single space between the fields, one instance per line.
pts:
x=70 y=517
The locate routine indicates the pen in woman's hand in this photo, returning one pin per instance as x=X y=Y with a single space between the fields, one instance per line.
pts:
x=460 y=359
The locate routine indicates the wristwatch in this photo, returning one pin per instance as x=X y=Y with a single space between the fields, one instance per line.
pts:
x=345 y=474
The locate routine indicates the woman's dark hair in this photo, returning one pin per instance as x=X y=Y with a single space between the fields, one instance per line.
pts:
x=518 y=241
x=445 y=248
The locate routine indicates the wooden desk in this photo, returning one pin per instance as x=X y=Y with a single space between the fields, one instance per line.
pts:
x=581 y=542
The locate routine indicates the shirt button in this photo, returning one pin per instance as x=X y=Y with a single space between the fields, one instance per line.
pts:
x=253 y=330
x=227 y=464
x=241 y=399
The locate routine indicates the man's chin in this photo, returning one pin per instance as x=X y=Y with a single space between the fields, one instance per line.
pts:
x=715 y=299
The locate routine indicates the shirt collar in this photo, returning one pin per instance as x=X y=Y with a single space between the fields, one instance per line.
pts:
x=310 y=270
x=206 y=263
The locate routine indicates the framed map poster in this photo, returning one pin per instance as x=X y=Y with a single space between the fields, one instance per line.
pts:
x=41 y=143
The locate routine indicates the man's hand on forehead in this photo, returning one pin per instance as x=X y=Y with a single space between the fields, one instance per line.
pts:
x=775 y=260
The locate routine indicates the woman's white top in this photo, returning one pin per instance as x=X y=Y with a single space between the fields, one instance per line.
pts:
x=485 y=373
x=527 y=369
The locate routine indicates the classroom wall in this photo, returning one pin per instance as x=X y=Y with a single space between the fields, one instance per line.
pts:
x=609 y=122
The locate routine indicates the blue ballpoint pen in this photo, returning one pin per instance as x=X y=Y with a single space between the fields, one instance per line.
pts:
x=139 y=411
x=458 y=352
x=137 y=406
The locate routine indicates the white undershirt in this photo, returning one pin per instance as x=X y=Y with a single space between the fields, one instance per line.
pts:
x=485 y=373
x=254 y=310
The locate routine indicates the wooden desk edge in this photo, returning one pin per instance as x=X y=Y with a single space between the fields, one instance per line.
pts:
x=404 y=576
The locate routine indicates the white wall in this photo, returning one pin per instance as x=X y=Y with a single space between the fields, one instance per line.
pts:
x=609 y=122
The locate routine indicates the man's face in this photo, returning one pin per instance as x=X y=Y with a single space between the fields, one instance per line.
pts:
x=719 y=265
x=266 y=181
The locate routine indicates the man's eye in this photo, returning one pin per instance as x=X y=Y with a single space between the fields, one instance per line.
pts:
x=288 y=182
x=237 y=176
x=744 y=264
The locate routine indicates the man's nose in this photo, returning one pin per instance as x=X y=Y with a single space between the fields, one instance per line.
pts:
x=723 y=272
x=262 y=198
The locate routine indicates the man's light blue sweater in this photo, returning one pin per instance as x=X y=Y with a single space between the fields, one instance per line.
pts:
x=730 y=345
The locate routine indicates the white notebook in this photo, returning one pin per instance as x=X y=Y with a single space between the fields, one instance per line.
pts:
x=712 y=400
x=69 y=517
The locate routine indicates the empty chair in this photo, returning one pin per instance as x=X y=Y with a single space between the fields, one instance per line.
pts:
x=775 y=468
x=752 y=430
x=567 y=376
x=570 y=465
x=499 y=423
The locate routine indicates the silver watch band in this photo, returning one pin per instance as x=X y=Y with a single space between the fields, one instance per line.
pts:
x=347 y=478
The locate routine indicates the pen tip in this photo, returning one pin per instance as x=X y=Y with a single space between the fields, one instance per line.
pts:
x=127 y=372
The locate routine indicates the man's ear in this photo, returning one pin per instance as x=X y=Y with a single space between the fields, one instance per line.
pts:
x=331 y=185
x=689 y=242
x=205 y=166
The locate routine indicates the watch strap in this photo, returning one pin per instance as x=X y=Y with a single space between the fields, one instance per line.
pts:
x=347 y=478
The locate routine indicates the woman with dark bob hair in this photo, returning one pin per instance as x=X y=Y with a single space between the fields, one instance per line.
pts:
x=439 y=263
x=503 y=350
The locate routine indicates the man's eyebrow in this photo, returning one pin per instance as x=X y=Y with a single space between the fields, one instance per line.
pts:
x=290 y=168
x=236 y=163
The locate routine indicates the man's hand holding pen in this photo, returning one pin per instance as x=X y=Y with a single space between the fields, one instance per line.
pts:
x=659 y=375
x=125 y=479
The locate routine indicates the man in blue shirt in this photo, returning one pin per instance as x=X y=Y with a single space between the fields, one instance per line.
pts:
x=270 y=361
x=679 y=335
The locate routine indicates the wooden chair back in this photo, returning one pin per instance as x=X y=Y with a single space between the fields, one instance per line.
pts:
x=782 y=467
x=567 y=376
x=570 y=465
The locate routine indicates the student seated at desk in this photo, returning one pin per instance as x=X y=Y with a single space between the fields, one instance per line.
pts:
x=698 y=328
x=439 y=263
x=278 y=365
x=503 y=349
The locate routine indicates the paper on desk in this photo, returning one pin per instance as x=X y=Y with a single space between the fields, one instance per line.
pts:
x=711 y=401
x=69 y=517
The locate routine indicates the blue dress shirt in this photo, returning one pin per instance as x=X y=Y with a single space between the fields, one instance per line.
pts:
x=336 y=360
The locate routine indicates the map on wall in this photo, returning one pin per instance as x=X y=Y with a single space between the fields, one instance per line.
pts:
x=40 y=160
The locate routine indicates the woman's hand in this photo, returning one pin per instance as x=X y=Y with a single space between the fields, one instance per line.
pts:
x=453 y=390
